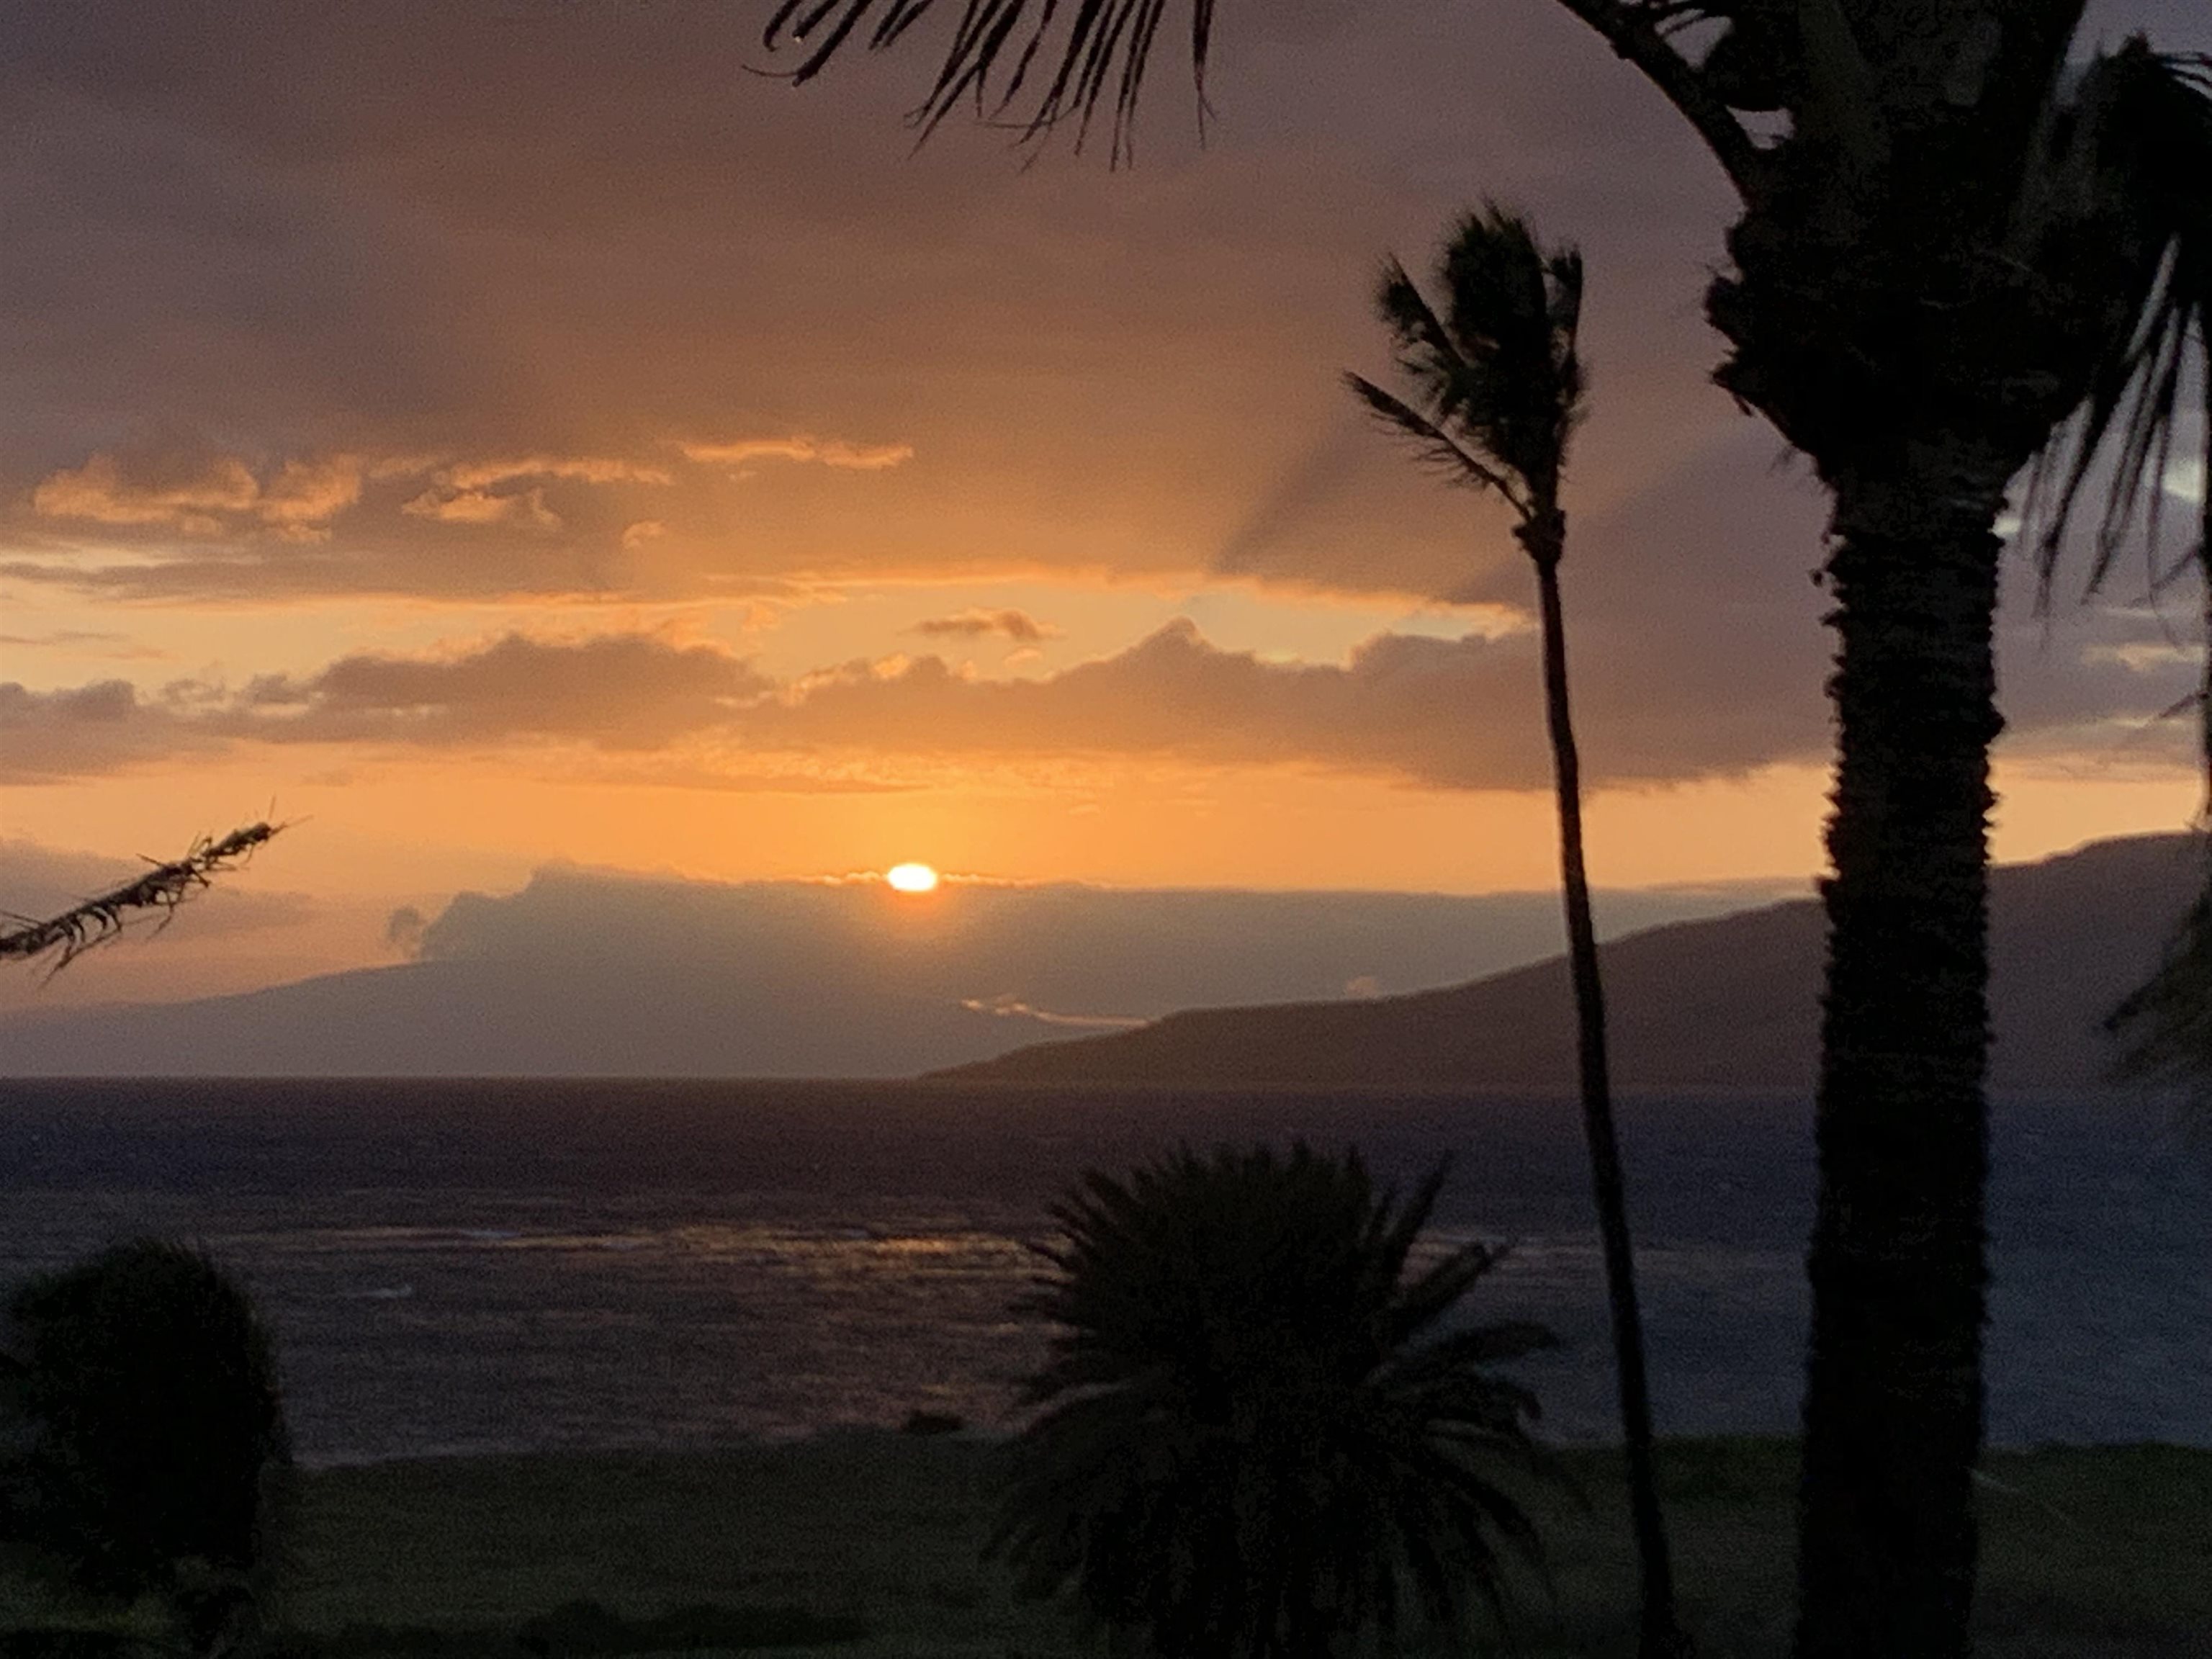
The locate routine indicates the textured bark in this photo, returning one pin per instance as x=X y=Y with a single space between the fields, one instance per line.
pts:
x=1659 y=1635
x=1893 y=1397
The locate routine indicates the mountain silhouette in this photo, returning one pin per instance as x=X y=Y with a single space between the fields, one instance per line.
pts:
x=1732 y=1002
x=585 y=974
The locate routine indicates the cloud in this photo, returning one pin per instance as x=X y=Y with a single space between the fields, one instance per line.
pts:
x=420 y=309
x=188 y=493
x=544 y=519
x=306 y=494
x=588 y=469
x=478 y=507
x=832 y=453
x=1447 y=713
x=343 y=243
x=404 y=928
x=85 y=642
x=1007 y=1006
x=1429 y=712
x=615 y=692
x=977 y=623
x=84 y=731
x=378 y=229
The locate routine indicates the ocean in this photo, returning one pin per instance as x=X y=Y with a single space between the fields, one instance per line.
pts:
x=499 y=1265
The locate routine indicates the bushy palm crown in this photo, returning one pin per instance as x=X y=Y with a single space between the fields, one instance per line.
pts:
x=140 y=1401
x=1257 y=1441
x=1496 y=375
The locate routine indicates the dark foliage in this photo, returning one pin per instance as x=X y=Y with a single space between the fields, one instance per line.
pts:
x=142 y=1396
x=1258 y=1440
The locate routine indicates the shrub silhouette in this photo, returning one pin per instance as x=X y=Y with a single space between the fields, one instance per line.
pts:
x=1255 y=1444
x=142 y=1395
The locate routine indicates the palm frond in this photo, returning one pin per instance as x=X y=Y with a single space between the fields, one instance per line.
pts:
x=2164 y=1028
x=2152 y=159
x=163 y=887
x=1238 y=1450
x=1438 y=447
x=1496 y=379
x=2152 y=156
x=1071 y=56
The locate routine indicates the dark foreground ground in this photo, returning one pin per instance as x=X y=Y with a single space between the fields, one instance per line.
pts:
x=869 y=1545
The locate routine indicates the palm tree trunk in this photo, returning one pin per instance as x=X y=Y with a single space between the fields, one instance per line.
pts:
x=1893 y=1395
x=1659 y=1636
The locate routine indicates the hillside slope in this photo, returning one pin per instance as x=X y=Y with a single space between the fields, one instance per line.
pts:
x=1730 y=1003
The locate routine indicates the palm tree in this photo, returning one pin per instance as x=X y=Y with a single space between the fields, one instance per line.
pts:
x=1499 y=386
x=1964 y=252
x=1256 y=1440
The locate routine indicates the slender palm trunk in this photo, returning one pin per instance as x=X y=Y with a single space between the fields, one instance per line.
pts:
x=1893 y=1395
x=1659 y=1636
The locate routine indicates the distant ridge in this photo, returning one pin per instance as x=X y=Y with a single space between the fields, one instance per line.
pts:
x=1728 y=1003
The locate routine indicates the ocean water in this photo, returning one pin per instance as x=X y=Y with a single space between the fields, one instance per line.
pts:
x=477 y=1266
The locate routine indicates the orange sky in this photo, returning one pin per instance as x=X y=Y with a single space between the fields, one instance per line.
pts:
x=508 y=433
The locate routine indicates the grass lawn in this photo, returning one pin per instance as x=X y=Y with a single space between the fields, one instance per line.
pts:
x=868 y=1545
x=2086 y=1552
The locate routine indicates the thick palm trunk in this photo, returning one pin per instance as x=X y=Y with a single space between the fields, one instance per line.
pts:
x=1893 y=1396
x=1660 y=1637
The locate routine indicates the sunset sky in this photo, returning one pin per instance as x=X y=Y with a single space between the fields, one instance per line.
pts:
x=498 y=433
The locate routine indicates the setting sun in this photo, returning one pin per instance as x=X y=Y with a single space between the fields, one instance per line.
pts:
x=912 y=878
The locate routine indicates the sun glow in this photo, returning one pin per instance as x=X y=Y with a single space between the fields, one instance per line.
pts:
x=911 y=877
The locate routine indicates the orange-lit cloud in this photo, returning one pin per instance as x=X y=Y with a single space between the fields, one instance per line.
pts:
x=478 y=507
x=191 y=494
x=1444 y=714
x=977 y=623
x=619 y=691
x=846 y=457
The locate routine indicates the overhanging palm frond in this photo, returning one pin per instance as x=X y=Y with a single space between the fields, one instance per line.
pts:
x=1070 y=55
x=2152 y=157
x=2153 y=162
x=163 y=887
x=1077 y=53
x=2165 y=1029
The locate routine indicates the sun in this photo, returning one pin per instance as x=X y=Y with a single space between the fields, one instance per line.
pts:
x=911 y=877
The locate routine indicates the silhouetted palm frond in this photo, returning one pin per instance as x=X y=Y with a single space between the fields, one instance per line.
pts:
x=163 y=887
x=2164 y=1028
x=1244 y=1448
x=1497 y=383
x=1068 y=56
x=2149 y=154
x=2149 y=159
